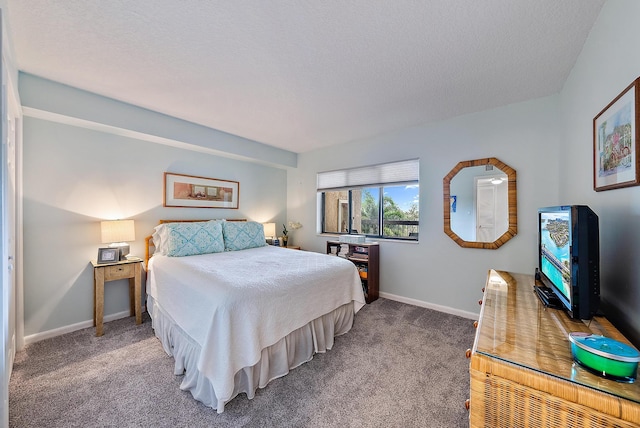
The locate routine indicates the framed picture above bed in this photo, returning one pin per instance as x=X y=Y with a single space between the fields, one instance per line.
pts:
x=188 y=191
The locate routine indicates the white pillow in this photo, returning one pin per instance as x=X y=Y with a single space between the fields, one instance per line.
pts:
x=159 y=237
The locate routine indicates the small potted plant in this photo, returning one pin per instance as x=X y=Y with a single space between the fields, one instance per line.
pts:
x=285 y=238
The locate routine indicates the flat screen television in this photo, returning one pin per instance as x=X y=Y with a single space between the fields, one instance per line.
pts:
x=569 y=257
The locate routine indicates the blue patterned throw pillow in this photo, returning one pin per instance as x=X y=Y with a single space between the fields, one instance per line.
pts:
x=188 y=239
x=241 y=235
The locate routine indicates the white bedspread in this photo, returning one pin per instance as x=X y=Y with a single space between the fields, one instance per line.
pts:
x=234 y=304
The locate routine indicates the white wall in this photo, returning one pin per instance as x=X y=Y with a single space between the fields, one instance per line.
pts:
x=46 y=99
x=75 y=177
x=436 y=270
x=609 y=62
x=548 y=142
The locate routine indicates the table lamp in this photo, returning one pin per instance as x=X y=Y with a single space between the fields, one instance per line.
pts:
x=117 y=233
x=269 y=231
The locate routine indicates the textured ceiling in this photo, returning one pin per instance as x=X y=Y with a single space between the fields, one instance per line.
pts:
x=306 y=74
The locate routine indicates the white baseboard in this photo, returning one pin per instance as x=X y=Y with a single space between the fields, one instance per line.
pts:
x=73 y=327
x=124 y=314
x=439 y=308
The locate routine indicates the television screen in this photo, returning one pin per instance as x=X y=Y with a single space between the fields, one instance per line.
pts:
x=555 y=255
x=569 y=257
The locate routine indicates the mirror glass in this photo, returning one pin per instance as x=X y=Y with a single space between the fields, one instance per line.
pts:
x=480 y=203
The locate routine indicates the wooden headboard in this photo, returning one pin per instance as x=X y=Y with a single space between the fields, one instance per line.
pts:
x=148 y=241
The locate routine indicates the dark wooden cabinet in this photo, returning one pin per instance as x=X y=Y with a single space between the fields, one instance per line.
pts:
x=366 y=257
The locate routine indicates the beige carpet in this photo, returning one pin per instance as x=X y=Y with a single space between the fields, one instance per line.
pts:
x=400 y=366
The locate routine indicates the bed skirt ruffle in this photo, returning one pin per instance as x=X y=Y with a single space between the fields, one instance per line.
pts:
x=297 y=348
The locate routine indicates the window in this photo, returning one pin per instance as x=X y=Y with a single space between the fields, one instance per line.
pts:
x=380 y=201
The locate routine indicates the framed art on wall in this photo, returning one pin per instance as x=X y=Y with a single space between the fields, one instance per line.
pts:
x=615 y=141
x=189 y=191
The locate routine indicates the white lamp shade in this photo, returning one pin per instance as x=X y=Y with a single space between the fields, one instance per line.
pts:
x=117 y=231
x=269 y=230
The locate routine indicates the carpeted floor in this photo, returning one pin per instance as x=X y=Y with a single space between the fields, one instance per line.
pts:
x=400 y=366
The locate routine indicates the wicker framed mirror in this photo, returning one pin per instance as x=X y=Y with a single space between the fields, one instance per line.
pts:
x=480 y=203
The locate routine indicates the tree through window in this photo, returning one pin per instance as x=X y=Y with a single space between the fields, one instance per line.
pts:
x=388 y=210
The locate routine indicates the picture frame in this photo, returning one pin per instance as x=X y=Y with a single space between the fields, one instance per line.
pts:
x=616 y=140
x=108 y=255
x=190 y=191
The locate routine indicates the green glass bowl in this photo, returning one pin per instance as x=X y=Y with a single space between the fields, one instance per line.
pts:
x=604 y=356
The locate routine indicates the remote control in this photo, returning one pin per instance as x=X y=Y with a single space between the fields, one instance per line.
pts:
x=547 y=297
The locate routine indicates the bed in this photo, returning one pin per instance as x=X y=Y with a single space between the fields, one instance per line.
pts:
x=235 y=313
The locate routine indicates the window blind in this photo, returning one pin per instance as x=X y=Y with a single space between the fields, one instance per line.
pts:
x=393 y=173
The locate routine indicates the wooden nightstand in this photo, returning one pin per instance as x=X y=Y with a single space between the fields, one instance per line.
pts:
x=104 y=272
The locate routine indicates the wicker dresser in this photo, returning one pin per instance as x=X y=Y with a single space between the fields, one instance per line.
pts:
x=522 y=373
